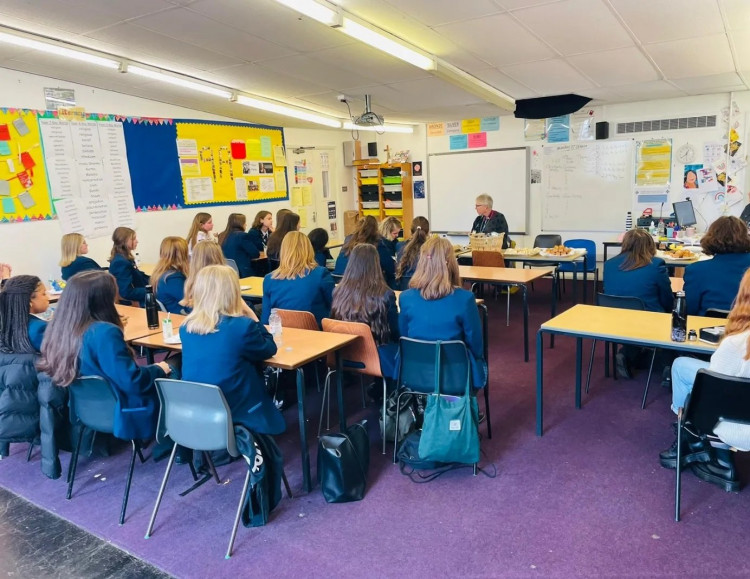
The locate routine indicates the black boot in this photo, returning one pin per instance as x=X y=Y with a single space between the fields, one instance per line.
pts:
x=694 y=450
x=720 y=471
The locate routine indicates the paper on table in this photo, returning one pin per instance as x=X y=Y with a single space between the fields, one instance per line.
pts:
x=199 y=189
x=174 y=339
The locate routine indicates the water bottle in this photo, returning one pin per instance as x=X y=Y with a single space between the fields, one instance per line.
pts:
x=274 y=323
x=152 y=310
x=629 y=221
x=137 y=259
x=679 y=318
x=662 y=229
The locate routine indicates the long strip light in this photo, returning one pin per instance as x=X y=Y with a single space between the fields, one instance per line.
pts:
x=57 y=50
x=179 y=81
x=324 y=14
x=288 y=111
x=380 y=128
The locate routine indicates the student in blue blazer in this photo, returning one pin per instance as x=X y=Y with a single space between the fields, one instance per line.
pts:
x=389 y=229
x=285 y=223
x=261 y=229
x=714 y=283
x=407 y=252
x=224 y=344
x=436 y=308
x=299 y=283
x=73 y=260
x=636 y=272
x=237 y=245
x=22 y=298
x=367 y=232
x=85 y=338
x=170 y=273
x=131 y=281
x=319 y=239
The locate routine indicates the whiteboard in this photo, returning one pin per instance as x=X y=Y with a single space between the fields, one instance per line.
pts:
x=587 y=186
x=455 y=180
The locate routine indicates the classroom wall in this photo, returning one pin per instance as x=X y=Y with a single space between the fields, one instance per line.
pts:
x=33 y=247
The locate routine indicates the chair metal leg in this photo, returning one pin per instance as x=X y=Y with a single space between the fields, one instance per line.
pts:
x=591 y=365
x=395 y=434
x=507 y=308
x=192 y=470
x=606 y=359
x=140 y=455
x=362 y=391
x=286 y=484
x=74 y=463
x=163 y=486
x=211 y=467
x=648 y=380
x=326 y=394
x=384 y=397
x=678 y=470
x=31 y=449
x=130 y=479
x=238 y=515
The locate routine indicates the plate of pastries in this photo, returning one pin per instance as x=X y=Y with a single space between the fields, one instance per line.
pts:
x=526 y=251
x=681 y=254
x=557 y=251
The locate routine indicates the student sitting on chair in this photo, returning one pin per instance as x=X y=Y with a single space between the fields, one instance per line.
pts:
x=732 y=357
x=288 y=222
x=131 y=281
x=319 y=238
x=636 y=272
x=714 y=283
x=261 y=229
x=22 y=299
x=205 y=254
x=200 y=230
x=436 y=308
x=390 y=229
x=85 y=338
x=170 y=273
x=73 y=259
x=299 y=283
x=238 y=245
x=224 y=344
x=366 y=231
x=363 y=296
x=407 y=255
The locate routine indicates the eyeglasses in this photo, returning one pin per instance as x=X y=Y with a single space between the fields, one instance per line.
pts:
x=480 y=205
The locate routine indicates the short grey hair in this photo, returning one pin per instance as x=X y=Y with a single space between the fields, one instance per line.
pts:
x=484 y=199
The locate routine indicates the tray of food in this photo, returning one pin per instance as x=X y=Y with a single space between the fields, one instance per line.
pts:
x=557 y=251
x=680 y=255
x=525 y=251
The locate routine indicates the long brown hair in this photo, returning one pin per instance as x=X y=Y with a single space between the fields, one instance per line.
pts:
x=258 y=221
x=437 y=271
x=288 y=222
x=14 y=314
x=728 y=234
x=120 y=239
x=420 y=229
x=199 y=221
x=204 y=254
x=366 y=231
x=738 y=320
x=362 y=294
x=296 y=258
x=639 y=249
x=173 y=257
x=235 y=222
x=89 y=297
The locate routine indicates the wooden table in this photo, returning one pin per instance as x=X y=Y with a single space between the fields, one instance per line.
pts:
x=253 y=287
x=147 y=268
x=332 y=243
x=638 y=328
x=558 y=259
x=137 y=327
x=299 y=347
x=516 y=277
x=677 y=284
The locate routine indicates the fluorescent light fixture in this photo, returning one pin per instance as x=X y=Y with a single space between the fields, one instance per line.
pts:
x=314 y=10
x=386 y=44
x=473 y=85
x=288 y=111
x=179 y=81
x=58 y=50
x=380 y=128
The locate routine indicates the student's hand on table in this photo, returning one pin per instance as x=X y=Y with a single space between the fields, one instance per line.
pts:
x=166 y=367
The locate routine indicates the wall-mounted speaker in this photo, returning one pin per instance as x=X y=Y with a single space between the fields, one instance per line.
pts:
x=602 y=130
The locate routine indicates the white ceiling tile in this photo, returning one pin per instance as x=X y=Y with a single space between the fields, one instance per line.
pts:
x=503 y=82
x=687 y=58
x=436 y=12
x=709 y=83
x=576 y=26
x=549 y=77
x=644 y=91
x=741 y=41
x=615 y=67
x=498 y=40
x=310 y=69
x=662 y=20
x=737 y=13
x=375 y=66
x=516 y=4
x=210 y=34
x=264 y=82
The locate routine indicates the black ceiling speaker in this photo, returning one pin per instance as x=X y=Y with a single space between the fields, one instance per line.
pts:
x=551 y=106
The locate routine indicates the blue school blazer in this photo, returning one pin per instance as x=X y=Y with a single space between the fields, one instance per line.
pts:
x=311 y=293
x=104 y=353
x=256 y=236
x=239 y=246
x=79 y=264
x=454 y=317
x=714 y=283
x=650 y=283
x=37 y=328
x=231 y=358
x=387 y=263
x=131 y=281
x=170 y=290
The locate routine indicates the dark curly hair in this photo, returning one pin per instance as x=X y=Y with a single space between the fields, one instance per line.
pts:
x=726 y=235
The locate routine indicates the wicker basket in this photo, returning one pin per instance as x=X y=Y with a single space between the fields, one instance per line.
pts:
x=482 y=242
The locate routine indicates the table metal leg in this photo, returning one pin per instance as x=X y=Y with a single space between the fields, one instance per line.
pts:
x=340 y=390
x=579 y=356
x=524 y=293
x=585 y=275
x=306 y=482
x=539 y=381
x=149 y=356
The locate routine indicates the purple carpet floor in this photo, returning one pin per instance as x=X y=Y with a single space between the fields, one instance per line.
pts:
x=588 y=499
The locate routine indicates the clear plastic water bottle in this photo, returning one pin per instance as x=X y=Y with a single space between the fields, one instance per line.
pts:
x=662 y=229
x=274 y=323
x=679 y=318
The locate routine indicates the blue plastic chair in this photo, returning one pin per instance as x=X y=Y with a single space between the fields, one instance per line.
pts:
x=575 y=267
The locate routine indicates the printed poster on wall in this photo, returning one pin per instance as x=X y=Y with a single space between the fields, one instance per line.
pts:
x=558 y=129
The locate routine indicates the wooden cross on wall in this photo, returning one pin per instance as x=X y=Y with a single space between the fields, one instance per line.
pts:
x=387 y=150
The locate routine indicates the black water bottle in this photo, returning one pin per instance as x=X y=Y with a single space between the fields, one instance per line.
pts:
x=152 y=310
x=679 y=318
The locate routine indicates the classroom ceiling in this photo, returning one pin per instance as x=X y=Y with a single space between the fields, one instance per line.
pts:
x=610 y=50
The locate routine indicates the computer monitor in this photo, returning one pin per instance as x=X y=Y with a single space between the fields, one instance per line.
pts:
x=685 y=214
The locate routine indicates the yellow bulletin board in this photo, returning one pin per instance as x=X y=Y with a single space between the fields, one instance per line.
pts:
x=230 y=163
x=24 y=193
